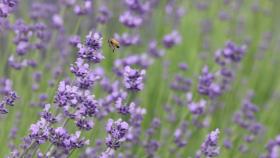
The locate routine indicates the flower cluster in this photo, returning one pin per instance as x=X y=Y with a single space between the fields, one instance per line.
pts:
x=117 y=131
x=6 y=7
x=133 y=79
x=91 y=49
x=9 y=95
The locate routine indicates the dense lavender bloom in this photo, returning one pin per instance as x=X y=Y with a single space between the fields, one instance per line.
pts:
x=126 y=39
x=58 y=135
x=133 y=79
x=172 y=39
x=89 y=106
x=94 y=41
x=117 y=131
x=61 y=138
x=80 y=68
x=210 y=145
x=39 y=132
x=129 y=20
x=206 y=85
x=87 y=81
x=67 y=95
x=91 y=49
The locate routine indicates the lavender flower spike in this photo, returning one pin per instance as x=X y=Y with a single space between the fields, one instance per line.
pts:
x=117 y=131
x=210 y=145
x=133 y=79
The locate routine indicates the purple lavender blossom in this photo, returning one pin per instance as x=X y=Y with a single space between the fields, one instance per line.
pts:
x=117 y=131
x=47 y=115
x=231 y=52
x=122 y=109
x=206 y=85
x=91 y=49
x=39 y=131
x=84 y=8
x=80 y=68
x=6 y=7
x=196 y=108
x=210 y=145
x=133 y=79
x=67 y=95
x=172 y=39
x=272 y=148
x=154 y=51
x=129 y=20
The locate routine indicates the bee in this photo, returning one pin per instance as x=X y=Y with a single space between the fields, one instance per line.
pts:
x=113 y=43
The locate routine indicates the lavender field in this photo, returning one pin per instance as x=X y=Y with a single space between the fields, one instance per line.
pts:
x=139 y=78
